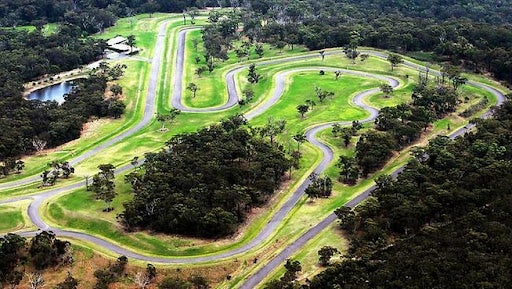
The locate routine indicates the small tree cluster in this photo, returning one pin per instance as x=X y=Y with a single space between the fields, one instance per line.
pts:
x=11 y=164
x=57 y=170
x=346 y=133
x=320 y=187
x=325 y=254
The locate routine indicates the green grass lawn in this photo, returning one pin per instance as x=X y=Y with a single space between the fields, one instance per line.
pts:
x=300 y=84
x=79 y=210
x=13 y=217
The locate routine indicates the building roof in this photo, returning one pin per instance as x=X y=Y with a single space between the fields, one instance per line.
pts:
x=120 y=47
x=116 y=40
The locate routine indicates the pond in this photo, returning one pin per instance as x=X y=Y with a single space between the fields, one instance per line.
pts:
x=54 y=92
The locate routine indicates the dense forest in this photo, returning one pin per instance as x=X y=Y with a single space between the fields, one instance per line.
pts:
x=204 y=183
x=476 y=34
x=445 y=222
x=89 y=15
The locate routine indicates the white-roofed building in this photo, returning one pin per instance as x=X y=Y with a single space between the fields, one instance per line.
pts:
x=119 y=44
x=116 y=40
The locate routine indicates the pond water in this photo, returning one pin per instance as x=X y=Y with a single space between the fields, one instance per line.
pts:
x=54 y=92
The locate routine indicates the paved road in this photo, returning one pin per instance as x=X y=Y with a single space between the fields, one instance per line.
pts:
x=149 y=111
x=258 y=277
x=232 y=100
x=267 y=230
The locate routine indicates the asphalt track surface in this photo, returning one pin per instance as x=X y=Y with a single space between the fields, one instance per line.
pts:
x=269 y=228
x=280 y=258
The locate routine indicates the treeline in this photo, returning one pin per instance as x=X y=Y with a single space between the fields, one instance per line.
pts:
x=204 y=183
x=445 y=222
x=90 y=16
x=474 y=34
x=41 y=125
x=27 y=55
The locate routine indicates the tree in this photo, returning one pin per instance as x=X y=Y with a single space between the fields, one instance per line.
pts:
x=394 y=60
x=253 y=76
x=173 y=113
x=143 y=279
x=386 y=89
x=323 y=94
x=356 y=125
x=162 y=118
x=454 y=74
x=302 y=109
x=255 y=165
x=325 y=254
x=373 y=149
x=258 y=48
x=273 y=128
x=66 y=169
x=195 y=44
x=346 y=134
x=248 y=94
x=322 y=54
x=130 y=40
x=193 y=88
x=135 y=162
x=103 y=185
x=111 y=274
x=299 y=138
x=35 y=280
x=69 y=283
x=13 y=279
x=349 y=171
x=192 y=12
x=319 y=187
x=336 y=129
x=292 y=268
x=116 y=89
x=199 y=282
x=347 y=218
x=337 y=74
x=20 y=165
x=39 y=144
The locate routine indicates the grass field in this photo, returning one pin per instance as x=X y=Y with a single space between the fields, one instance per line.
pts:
x=79 y=210
x=13 y=217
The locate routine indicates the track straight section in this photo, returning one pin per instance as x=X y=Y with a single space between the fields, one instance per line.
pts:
x=149 y=110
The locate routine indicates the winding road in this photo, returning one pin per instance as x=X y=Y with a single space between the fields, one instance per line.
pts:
x=269 y=229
